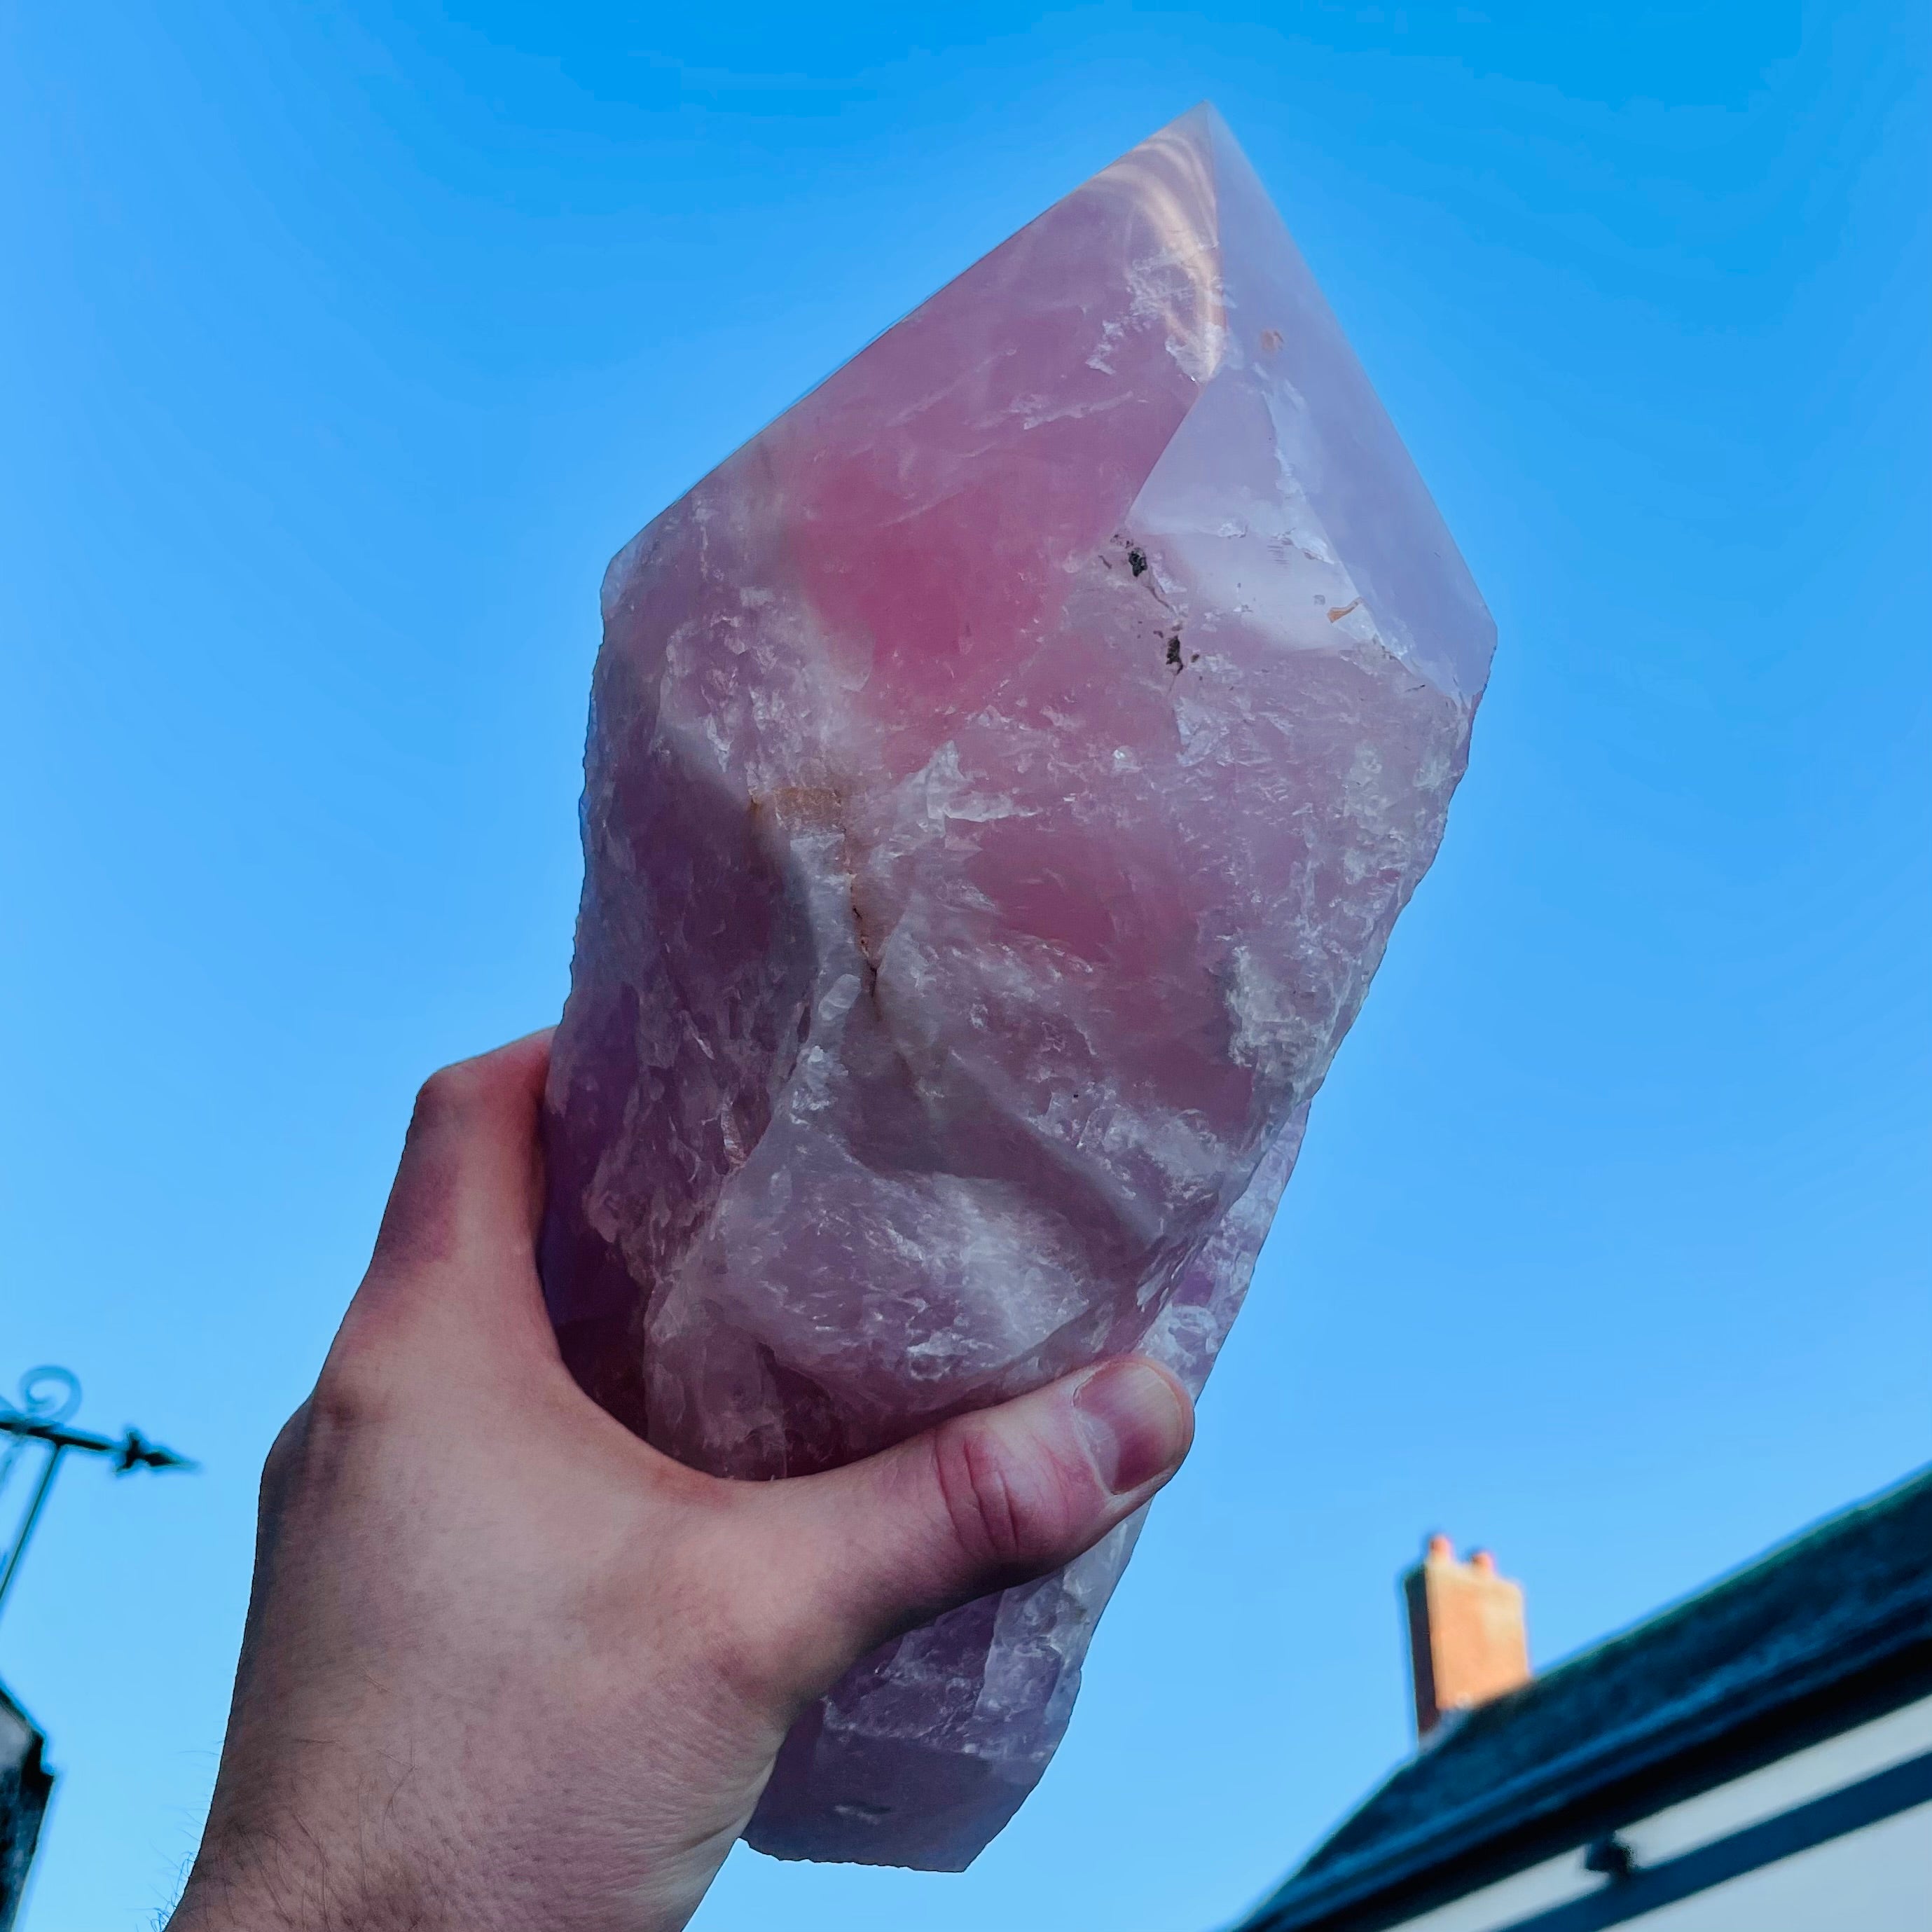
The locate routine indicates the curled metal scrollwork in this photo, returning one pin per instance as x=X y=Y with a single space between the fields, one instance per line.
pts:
x=49 y=1394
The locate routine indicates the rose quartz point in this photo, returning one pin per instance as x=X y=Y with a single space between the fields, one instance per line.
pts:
x=1003 y=774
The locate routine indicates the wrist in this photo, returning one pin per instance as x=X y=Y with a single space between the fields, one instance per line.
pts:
x=253 y=1887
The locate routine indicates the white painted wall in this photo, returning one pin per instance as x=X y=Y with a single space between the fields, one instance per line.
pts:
x=1876 y=1879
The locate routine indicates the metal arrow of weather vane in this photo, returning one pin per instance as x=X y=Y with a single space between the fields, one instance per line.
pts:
x=48 y=1397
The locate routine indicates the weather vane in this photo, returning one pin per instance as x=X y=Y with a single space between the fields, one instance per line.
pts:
x=48 y=1397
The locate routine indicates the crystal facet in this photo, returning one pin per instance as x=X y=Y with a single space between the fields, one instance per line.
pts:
x=1003 y=774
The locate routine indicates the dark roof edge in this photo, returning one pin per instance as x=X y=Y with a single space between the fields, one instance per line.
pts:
x=1516 y=1810
x=1895 y=1628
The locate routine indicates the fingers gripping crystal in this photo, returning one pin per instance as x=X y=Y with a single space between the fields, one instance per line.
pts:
x=1003 y=774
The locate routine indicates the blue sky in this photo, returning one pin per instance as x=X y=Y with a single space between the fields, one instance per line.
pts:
x=342 y=345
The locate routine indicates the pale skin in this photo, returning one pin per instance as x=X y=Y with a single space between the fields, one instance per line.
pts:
x=507 y=1667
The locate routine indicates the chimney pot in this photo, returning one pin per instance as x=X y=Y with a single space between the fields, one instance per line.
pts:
x=1468 y=1641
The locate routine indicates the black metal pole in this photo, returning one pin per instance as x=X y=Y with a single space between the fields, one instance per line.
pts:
x=33 y=1516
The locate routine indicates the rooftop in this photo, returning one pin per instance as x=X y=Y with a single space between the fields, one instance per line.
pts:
x=1758 y=1663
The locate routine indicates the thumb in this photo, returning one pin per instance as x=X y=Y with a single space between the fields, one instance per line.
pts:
x=982 y=1502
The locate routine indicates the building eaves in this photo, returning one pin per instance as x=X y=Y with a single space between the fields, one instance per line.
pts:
x=1846 y=1604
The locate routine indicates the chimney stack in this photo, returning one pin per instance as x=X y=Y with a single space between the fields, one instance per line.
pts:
x=1467 y=1639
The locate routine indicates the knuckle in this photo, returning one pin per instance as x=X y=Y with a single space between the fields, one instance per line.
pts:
x=446 y=1094
x=340 y=1438
x=349 y=1400
x=990 y=1510
x=770 y=1659
x=280 y=1467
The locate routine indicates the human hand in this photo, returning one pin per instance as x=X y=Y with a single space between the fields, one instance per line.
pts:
x=508 y=1667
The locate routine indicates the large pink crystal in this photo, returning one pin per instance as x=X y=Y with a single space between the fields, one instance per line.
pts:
x=1003 y=774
